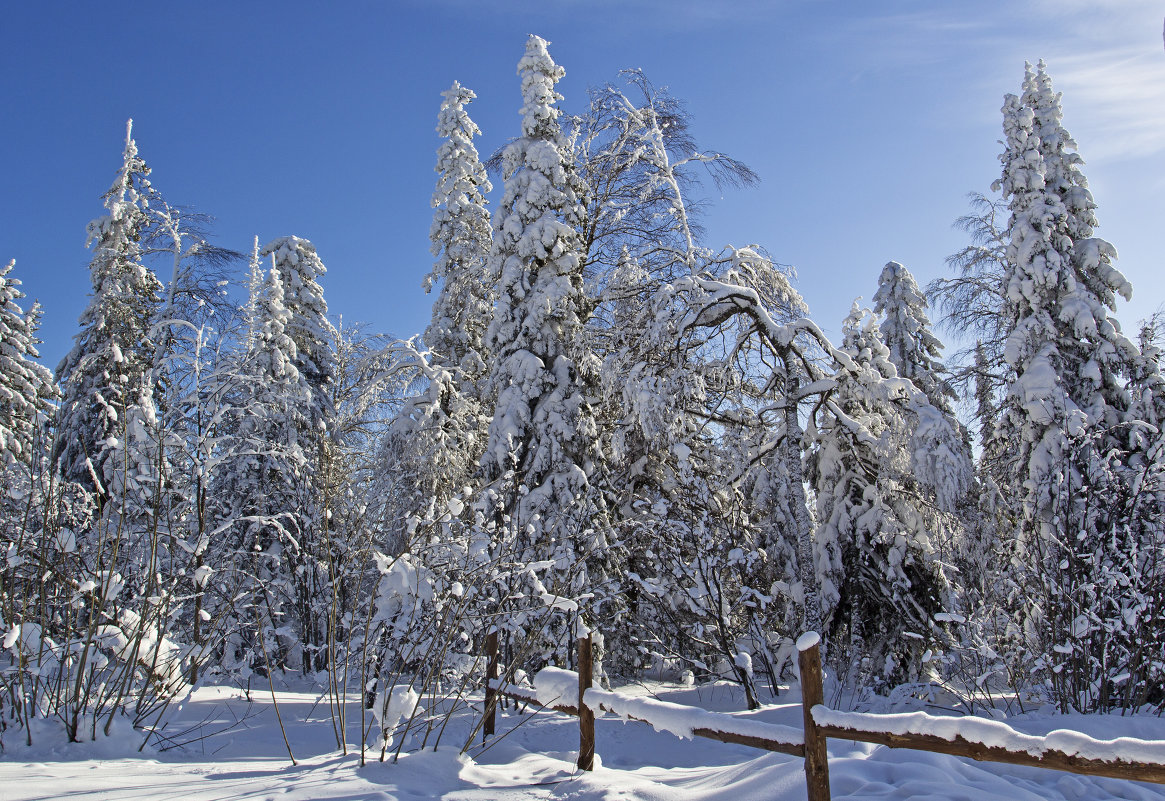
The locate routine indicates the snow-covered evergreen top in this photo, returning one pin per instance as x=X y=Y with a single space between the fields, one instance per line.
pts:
x=117 y=236
x=25 y=385
x=862 y=340
x=299 y=269
x=1061 y=284
x=303 y=269
x=461 y=242
x=940 y=458
x=906 y=332
x=277 y=414
x=255 y=282
x=462 y=174
x=126 y=202
x=539 y=75
x=1062 y=164
x=275 y=352
x=106 y=370
x=543 y=424
x=1063 y=174
x=536 y=246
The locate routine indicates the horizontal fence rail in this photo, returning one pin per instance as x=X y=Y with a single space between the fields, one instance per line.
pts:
x=787 y=744
x=873 y=729
x=972 y=737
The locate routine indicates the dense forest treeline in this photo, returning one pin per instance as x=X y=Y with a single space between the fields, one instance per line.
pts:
x=606 y=424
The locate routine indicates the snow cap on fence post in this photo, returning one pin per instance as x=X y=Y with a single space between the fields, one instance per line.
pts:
x=808 y=640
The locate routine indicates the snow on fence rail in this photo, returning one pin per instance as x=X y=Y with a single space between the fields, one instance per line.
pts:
x=552 y=685
x=992 y=741
x=977 y=738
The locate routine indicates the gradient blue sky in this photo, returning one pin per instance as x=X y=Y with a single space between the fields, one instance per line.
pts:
x=868 y=123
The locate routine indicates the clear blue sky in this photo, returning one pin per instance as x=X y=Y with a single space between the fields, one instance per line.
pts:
x=868 y=123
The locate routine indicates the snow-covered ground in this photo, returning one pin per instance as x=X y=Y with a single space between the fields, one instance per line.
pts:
x=233 y=750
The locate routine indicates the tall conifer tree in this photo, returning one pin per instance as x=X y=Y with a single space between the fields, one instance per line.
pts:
x=25 y=385
x=542 y=452
x=461 y=244
x=878 y=567
x=906 y=333
x=1066 y=350
x=437 y=439
x=1066 y=414
x=108 y=370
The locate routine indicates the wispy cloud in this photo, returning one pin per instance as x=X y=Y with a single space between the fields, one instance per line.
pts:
x=1107 y=59
x=1118 y=97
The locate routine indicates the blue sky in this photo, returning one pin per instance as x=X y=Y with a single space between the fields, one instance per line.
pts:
x=868 y=123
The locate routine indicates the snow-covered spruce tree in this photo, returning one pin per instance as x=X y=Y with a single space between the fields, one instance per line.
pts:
x=256 y=279
x=300 y=270
x=108 y=370
x=906 y=333
x=436 y=440
x=1147 y=384
x=541 y=457
x=103 y=641
x=941 y=463
x=309 y=425
x=881 y=582
x=26 y=389
x=461 y=240
x=26 y=392
x=26 y=386
x=1065 y=416
x=255 y=494
x=434 y=443
x=108 y=440
x=1060 y=286
x=269 y=491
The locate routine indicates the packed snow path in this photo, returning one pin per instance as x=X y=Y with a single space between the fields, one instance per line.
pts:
x=247 y=760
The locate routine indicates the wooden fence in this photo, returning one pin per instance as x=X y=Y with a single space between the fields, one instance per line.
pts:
x=817 y=728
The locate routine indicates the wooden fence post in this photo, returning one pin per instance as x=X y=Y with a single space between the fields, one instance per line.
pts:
x=491 y=673
x=586 y=717
x=812 y=694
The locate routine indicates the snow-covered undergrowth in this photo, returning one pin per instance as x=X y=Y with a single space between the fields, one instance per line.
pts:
x=221 y=745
